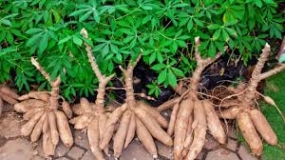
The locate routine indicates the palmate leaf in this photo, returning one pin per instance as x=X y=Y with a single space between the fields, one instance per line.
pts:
x=86 y=11
x=40 y=39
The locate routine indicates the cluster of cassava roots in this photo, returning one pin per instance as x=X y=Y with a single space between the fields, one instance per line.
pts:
x=41 y=110
x=192 y=115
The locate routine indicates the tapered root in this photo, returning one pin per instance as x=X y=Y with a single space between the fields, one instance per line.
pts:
x=153 y=127
x=185 y=110
x=154 y=113
x=199 y=131
x=249 y=133
x=28 y=127
x=63 y=129
x=263 y=127
x=120 y=136
x=39 y=95
x=93 y=133
x=173 y=117
x=213 y=122
x=145 y=138
x=131 y=130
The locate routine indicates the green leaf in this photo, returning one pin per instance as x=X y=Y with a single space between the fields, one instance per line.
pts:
x=190 y=25
x=258 y=3
x=152 y=58
x=34 y=30
x=6 y=22
x=105 y=50
x=2 y=36
x=231 y=32
x=10 y=38
x=85 y=16
x=43 y=43
x=212 y=50
x=114 y=48
x=213 y=26
x=172 y=79
x=33 y=39
x=217 y=34
x=198 y=22
x=225 y=36
x=78 y=12
x=158 y=67
x=64 y=39
x=77 y=40
x=177 y=72
x=162 y=76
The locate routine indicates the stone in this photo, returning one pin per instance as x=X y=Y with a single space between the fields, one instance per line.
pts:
x=244 y=154
x=16 y=149
x=76 y=153
x=63 y=158
x=7 y=108
x=135 y=151
x=89 y=156
x=61 y=150
x=9 y=126
x=232 y=145
x=81 y=139
x=221 y=154
x=231 y=131
x=38 y=158
x=39 y=147
x=164 y=150
x=201 y=155
x=210 y=143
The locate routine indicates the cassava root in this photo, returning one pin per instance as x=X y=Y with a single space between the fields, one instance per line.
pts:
x=7 y=95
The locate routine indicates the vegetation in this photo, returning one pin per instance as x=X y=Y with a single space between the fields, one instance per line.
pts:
x=275 y=88
x=164 y=30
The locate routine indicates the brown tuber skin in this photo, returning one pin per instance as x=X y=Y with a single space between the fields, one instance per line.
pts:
x=249 y=133
x=263 y=127
x=7 y=95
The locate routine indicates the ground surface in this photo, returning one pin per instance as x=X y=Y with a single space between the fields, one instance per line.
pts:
x=15 y=147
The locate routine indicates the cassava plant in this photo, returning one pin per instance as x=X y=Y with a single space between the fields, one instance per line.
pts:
x=134 y=117
x=41 y=110
x=191 y=116
x=93 y=117
x=7 y=95
x=243 y=108
x=49 y=30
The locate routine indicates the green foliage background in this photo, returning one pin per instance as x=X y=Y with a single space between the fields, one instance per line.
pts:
x=164 y=30
x=275 y=89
